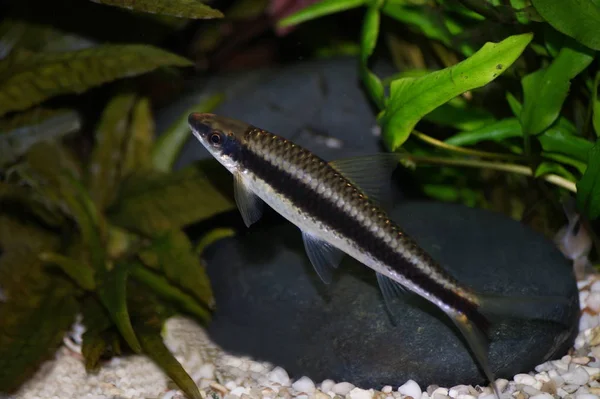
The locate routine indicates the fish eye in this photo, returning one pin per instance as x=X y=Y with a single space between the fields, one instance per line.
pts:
x=215 y=138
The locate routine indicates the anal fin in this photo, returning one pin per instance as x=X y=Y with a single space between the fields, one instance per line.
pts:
x=323 y=256
x=249 y=204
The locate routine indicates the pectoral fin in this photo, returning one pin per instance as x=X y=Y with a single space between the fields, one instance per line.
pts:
x=248 y=203
x=323 y=256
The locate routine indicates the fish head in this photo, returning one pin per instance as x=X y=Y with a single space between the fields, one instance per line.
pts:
x=221 y=136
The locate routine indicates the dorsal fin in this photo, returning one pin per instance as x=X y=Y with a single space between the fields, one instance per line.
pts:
x=371 y=174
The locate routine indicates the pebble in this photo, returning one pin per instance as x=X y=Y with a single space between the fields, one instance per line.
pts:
x=358 y=393
x=304 y=384
x=410 y=388
x=525 y=379
x=586 y=396
x=542 y=396
x=279 y=376
x=342 y=388
x=386 y=389
x=327 y=385
x=576 y=377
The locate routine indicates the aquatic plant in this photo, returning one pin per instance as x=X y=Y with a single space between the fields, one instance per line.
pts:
x=497 y=98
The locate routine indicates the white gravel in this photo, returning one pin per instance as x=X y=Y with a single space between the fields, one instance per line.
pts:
x=220 y=375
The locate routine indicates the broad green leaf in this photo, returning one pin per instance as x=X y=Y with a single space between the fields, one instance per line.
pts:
x=546 y=167
x=150 y=203
x=80 y=272
x=111 y=135
x=451 y=193
x=370 y=32
x=588 y=188
x=545 y=90
x=165 y=289
x=497 y=131
x=192 y=9
x=113 y=294
x=22 y=131
x=412 y=98
x=575 y=18
x=31 y=329
x=416 y=17
x=29 y=79
x=319 y=9
x=558 y=140
x=173 y=254
x=458 y=114
x=140 y=140
x=168 y=144
x=579 y=165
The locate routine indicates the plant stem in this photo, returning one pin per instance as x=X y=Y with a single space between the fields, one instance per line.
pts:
x=505 y=167
x=449 y=147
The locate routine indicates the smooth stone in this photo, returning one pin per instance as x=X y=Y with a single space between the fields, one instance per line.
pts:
x=272 y=306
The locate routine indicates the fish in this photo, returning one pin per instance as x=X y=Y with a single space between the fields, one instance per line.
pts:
x=574 y=240
x=339 y=207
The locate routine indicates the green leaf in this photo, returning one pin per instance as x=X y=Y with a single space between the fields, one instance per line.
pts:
x=370 y=32
x=458 y=114
x=558 y=140
x=514 y=104
x=212 y=237
x=412 y=98
x=18 y=199
x=192 y=9
x=81 y=273
x=149 y=316
x=104 y=168
x=153 y=202
x=27 y=80
x=497 y=131
x=169 y=143
x=22 y=131
x=317 y=10
x=156 y=349
x=31 y=329
x=546 y=167
x=545 y=90
x=112 y=292
x=141 y=138
x=577 y=19
x=99 y=338
x=588 y=188
x=173 y=254
x=165 y=289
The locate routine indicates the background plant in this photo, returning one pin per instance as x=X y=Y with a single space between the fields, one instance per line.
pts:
x=495 y=102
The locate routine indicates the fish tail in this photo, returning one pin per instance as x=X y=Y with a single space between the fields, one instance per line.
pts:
x=543 y=308
x=475 y=328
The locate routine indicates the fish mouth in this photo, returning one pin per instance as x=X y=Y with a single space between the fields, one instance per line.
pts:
x=201 y=123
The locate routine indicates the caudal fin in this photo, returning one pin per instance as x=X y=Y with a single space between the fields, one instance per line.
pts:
x=544 y=308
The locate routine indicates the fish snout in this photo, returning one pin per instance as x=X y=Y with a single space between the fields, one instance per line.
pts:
x=201 y=123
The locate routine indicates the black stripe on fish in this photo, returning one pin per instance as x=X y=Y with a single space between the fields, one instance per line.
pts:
x=323 y=209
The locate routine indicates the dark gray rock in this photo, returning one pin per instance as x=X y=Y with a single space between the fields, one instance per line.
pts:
x=272 y=305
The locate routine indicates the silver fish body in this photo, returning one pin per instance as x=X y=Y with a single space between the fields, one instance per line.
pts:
x=336 y=216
